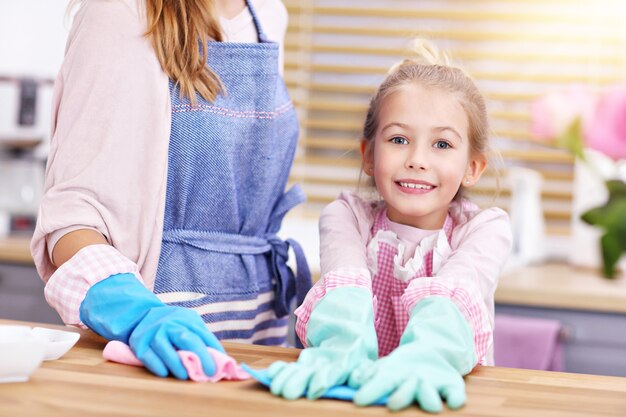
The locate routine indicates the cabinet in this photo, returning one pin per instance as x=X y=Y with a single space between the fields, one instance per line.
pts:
x=590 y=308
x=21 y=289
x=22 y=297
x=593 y=342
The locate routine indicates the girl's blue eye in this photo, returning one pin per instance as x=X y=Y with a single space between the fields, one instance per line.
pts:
x=442 y=144
x=399 y=140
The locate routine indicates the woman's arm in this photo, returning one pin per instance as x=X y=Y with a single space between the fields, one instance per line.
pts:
x=102 y=207
x=106 y=169
x=71 y=243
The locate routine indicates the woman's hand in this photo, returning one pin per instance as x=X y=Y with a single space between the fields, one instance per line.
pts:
x=121 y=308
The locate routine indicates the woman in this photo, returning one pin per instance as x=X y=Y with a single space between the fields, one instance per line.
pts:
x=166 y=175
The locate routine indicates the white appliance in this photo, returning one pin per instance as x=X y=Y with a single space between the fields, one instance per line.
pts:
x=24 y=127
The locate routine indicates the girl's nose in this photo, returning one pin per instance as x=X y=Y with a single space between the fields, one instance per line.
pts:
x=417 y=158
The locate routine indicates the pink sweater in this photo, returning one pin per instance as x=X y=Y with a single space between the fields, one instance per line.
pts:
x=465 y=268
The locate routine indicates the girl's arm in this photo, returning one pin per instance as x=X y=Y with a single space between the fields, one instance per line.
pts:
x=344 y=232
x=336 y=320
x=469 y=276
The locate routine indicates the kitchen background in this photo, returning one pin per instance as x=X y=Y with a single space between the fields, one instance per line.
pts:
x=32 y=41
x=336 y=53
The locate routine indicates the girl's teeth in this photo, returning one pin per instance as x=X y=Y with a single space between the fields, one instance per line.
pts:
x=412 y=185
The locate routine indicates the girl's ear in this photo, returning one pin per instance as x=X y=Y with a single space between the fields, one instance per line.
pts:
x=475 y=169
x=367 y=158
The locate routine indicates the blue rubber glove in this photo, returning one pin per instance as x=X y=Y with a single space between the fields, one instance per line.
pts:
x=121 y=308
x=435 y=351
x=340 y=336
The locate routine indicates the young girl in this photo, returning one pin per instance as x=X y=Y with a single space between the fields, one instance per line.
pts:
x=173 y=137
x=409 y=279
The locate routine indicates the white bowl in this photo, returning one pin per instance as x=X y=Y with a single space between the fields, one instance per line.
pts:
x=58 y=342
x=21 y=352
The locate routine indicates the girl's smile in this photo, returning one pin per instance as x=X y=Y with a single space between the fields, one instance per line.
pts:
x=415 y=186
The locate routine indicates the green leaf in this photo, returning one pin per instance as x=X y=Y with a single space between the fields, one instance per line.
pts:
x=572 y=139
x=593 y=216
x=611 y=252
x=617 y=189
x=611 y=217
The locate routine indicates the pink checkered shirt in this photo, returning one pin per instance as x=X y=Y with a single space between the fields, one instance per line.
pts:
x=68 y=285
x=396 y=290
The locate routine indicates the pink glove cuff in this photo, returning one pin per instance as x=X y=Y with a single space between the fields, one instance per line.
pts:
x=469 y=305
x=67 y=287
x=344 y=277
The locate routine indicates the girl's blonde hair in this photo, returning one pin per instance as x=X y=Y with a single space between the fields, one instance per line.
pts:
x=179 y=31
x=432 y=69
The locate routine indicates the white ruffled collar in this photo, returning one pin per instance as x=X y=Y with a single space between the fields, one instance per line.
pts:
x=398 y=236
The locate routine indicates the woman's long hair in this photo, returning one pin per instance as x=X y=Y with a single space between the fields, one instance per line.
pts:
x=179 y=31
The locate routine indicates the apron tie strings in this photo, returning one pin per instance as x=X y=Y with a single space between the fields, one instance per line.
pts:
x=288 y=286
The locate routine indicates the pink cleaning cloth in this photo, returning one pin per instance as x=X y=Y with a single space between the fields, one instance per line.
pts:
x=528 y=343
x=226 y=367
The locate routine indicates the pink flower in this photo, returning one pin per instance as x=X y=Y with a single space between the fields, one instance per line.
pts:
x=553 y=113
x=606 y=130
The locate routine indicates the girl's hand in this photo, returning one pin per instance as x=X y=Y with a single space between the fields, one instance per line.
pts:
x=435 y=351
x=341 y=336
x=410 y=374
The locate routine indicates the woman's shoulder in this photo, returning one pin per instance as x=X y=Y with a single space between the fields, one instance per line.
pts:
x=111 y=32
x=134 y=7
x=111 y=16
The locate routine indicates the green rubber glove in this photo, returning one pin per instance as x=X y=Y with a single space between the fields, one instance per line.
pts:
x=340 y=336
x=435 y=351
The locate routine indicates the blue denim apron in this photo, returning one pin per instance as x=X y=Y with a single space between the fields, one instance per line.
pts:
x=228 y=165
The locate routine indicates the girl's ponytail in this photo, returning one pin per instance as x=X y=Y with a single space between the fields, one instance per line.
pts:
x=425 y=53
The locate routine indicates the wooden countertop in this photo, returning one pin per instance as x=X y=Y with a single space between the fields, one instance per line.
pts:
x=16 y=250
x=559 y=285
x=83 y=384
